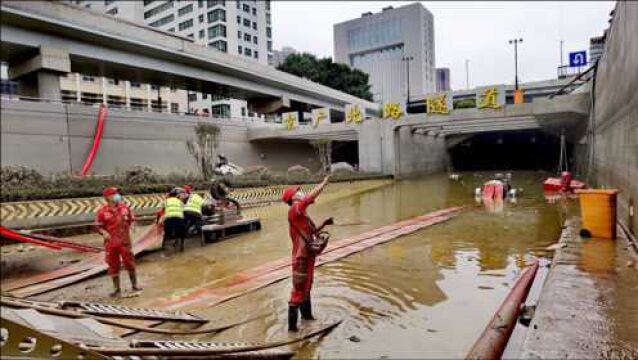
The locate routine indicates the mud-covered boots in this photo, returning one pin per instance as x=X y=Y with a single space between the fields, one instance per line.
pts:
x=293 y=315
x=306 y=310
x=133 y=277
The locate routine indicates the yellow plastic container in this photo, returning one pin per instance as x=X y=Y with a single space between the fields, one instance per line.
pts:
x=598 y=212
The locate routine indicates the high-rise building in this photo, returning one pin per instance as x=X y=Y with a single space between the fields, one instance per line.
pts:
x=238 y=27
x=442 y=79
x=281 y=55
x=381 y=45
x=596 y=48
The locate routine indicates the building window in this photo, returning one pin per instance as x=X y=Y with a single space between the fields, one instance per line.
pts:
x=248 y=52
x=239 y=35
x=112 y=11
x=243 y=111
x=185 y=10
x=239 y=19
x=201 y=18
x=174 y=107
x=115 y=82
x=88 y=78
x=246 y=22
x=163 y=21
x=146 y=2
x=247 y=37
x=255 y=25
x=219 y=45
x=192 y=97
x=255 y=39
x=221 y=110
x=185 y=25
x=217 y=15
x=238 y=4
x=154 y=87
x=204 y=96
x=255 y=11
x=246 y=8
x=269 y=45
x=269 y=32
x=271 y=59
x=211 y=3
x=202 y=33
x=200 y=4
x=135 y=84
x=267 y=4
x=256 y=54
x=268 y=19
x=217 y=30
x=239 y=49
x=171 y=29
x=165 y=6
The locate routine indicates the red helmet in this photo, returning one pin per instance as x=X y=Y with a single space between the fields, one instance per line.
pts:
x=110 y=191
x=187 y=188
x=289 y=193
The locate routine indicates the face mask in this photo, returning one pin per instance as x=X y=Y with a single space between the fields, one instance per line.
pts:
x=117 y=198
x=299 y=195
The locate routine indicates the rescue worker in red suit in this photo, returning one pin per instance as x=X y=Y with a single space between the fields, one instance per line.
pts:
x=114 y=220
x=303 y=260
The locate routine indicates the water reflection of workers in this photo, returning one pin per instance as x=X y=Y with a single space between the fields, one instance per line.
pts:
x=302 y=230
x=172 y=216
x=219 y=191
x=192 y=211
x=114 y=220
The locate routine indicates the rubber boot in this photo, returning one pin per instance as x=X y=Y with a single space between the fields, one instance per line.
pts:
x=293 y=315
x=133 y=276
x=116 y=287
x=306 y=310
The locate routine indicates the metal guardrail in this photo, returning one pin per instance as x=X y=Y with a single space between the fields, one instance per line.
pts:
x=583 y=77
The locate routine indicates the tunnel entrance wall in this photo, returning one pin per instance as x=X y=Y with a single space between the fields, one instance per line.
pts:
x=615 y=155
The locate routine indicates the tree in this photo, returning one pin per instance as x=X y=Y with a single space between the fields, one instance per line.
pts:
x=323 y=149
x=204 y=148
x=323 y=71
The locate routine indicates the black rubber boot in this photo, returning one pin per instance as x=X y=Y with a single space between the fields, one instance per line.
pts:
x=306 y=310
x=133 y=276
x=116 y=287
x=293 y=315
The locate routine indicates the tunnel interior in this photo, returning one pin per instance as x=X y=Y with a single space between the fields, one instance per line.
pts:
x=509 y=150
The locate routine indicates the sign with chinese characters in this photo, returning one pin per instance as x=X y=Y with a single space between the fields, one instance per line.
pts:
x=354 y=113
x=492 y=97
x=290 y=120
x=392 y=110
x=321 y=115
x=439 y=103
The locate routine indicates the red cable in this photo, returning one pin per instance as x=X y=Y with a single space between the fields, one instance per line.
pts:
x=97 y=139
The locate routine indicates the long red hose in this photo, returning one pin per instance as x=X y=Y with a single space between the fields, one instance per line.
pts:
x=10 y=234
x=97 y=139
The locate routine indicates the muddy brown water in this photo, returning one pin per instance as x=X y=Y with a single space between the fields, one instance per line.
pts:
x=428 y=294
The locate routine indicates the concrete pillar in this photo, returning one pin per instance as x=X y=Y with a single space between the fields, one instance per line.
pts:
x=40 y=74
x=148 y=97
x=127 y=94
x=104 y=94
x=78 y=88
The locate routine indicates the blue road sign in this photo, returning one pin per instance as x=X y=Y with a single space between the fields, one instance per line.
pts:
x=578 y=58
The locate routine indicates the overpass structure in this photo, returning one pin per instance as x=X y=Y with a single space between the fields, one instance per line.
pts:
x=42 y=40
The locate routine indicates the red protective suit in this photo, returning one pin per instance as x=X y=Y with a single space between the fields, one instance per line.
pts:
x=303 y=263
x=116 y=220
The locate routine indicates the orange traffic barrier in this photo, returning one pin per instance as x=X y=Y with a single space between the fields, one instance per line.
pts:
x=598 y=212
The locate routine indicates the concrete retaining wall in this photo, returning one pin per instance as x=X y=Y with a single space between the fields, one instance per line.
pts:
x=616 y=112
x=53 y=138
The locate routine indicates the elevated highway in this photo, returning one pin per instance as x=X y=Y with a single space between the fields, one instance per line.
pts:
x=51 y=38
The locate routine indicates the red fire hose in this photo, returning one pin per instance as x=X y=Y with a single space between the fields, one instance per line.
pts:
x=10 y=234
x=494 y=338
x=97 y=139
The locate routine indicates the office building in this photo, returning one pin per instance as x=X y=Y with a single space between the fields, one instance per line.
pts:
x=281 y=55
x=442 y=79
x=241 y=27
x=378 y=44
x=596 y=48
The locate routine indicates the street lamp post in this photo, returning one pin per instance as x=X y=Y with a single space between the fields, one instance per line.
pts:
x=407 y=60
x=515 y=42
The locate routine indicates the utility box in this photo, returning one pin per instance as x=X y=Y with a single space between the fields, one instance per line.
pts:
x=598 y=212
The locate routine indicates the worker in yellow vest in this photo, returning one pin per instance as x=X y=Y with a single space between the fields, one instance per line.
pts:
x=193 y=211
x=172 y=217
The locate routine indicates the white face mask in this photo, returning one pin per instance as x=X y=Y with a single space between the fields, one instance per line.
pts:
x=299 y=195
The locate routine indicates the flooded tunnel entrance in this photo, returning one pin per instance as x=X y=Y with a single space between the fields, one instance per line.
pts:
x=345 y=151
x=513 y=150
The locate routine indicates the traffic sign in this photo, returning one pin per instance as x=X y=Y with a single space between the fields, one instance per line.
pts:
x=578 y=58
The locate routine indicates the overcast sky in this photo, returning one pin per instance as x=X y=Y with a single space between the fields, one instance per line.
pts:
x=478 y=31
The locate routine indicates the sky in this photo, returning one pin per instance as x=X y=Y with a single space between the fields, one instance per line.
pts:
x=477 y=31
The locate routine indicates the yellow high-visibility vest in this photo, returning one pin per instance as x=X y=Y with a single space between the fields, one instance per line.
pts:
x=173 y=208
x=194 y=204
